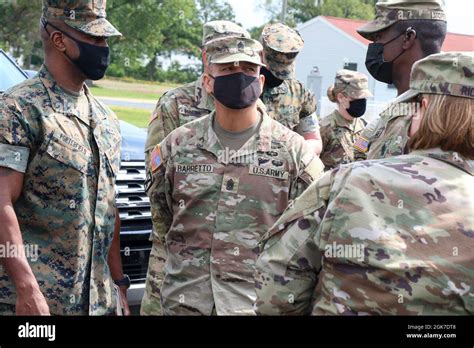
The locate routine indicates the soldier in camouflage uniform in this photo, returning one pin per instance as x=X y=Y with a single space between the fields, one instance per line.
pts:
x=390 y=236
x=285 y=98
x=176 y=108
x=403 y=32
x=219 y=183
x=338 y=130
x=59 y=156
x=184 y=104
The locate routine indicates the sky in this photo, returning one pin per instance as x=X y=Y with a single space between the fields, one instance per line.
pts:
x=459 y=13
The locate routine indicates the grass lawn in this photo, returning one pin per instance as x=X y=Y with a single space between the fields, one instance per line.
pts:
x=117 y=93
x=137 y=117
x=130 y=89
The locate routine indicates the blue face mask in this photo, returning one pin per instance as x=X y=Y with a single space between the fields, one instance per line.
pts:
x=93 y=60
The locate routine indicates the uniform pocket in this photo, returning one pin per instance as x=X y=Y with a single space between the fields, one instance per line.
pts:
x=69 y=152
x=113 y=159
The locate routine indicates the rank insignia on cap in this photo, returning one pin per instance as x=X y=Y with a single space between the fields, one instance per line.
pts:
x=361 y=144
x=156 y=159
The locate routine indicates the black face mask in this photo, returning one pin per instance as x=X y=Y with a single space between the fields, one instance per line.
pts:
x=93 y=60
x=270 y=80
x=357 y=107
x=380 y=69
x=236 y=91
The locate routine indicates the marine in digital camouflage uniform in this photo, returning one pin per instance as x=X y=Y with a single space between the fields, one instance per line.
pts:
x=290 y=103
x=68 y=148
x=391 y=236
x=337 y=132
x=215 y=205
x=174 y=109
x=387 y=135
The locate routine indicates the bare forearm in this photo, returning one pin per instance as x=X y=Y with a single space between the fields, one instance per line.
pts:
x=17 y=266
x=316 y=145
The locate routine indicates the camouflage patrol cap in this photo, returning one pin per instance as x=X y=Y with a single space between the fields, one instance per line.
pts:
x=444 y=73
x=87 y=16
x=389 y=12
x=281 y=45
x=220 y=29
x=353 y=83
x=234 y=49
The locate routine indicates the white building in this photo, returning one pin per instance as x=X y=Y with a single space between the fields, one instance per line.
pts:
x=333 y=43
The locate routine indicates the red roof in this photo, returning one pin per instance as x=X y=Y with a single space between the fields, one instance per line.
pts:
x=453 y=42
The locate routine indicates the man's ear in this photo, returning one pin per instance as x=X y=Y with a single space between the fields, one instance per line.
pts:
x=410 y=38
x=57 y=40
x=208 y=83
x=262 y=81
x=204 y=59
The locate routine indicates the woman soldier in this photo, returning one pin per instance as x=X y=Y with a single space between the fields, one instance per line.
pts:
x=391 y=236
x=339 y=129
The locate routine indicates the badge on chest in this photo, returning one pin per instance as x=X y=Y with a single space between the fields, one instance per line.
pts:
x=194 y=168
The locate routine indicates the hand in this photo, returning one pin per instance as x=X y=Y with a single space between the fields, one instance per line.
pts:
x=124 y=301
x=31 y=302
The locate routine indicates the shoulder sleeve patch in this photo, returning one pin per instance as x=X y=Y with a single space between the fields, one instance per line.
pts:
x=361 y=144
x=156 y=158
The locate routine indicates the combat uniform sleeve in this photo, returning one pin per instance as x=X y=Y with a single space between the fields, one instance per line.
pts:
x=308 y=119
x=287 y=269
x=310 y=169
x=158 y=190
x=364 y=138
x=15 y=140
x=164 y=120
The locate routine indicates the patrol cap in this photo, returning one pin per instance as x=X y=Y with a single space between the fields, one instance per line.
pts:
x=353 y=83
x=281 y=45
x=234 y=49
x=389 y=12
x=443 y=73
x=87 y=16
x=220 y=29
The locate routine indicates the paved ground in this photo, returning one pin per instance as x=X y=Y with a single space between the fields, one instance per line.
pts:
x=131 y=103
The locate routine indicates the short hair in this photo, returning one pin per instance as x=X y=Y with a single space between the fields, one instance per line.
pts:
x=448 y=123
x=431 y=34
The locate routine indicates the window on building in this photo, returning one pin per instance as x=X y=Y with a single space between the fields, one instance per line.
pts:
x=350 y=66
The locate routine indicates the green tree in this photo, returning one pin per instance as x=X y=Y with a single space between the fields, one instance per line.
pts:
x=19 y=32
x=157 y=28
x=300 y=11
x=210 y=10
x=151 y=29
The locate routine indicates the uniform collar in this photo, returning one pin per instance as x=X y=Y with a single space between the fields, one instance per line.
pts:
x=60 y=101
x=262 y=141
x=450 y=157
x=203 y=100
x=355 y=126
x=282 y=89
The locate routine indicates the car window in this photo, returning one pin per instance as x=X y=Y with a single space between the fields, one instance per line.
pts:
x=10 y=75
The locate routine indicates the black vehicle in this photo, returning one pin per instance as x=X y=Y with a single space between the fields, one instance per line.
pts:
x=132 y=202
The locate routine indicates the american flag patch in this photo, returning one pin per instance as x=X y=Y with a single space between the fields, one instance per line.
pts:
x=361 y=144
x=156 y=158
